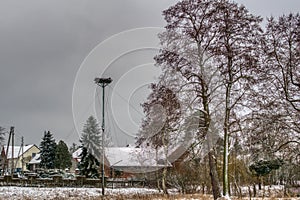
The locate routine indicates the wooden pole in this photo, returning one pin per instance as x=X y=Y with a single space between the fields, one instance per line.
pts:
x=22 y=157
x=6 y=152
x=12 y=150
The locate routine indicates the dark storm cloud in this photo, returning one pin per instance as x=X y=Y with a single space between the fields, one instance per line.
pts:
x=43 y=43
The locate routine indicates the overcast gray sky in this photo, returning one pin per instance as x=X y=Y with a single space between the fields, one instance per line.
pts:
x=43 y=44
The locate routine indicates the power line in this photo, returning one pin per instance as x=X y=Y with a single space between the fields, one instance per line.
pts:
x=125 y=100
x=80 y=118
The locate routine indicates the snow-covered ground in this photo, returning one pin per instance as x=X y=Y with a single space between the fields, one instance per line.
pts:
x=266 y=191
x=66 y=193
x=37 y=193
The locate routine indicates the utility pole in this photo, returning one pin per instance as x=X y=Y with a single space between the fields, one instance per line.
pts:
x=12 y=150
x=22 y=157
x=6 y=152
x=18 y=157
x=103 y=82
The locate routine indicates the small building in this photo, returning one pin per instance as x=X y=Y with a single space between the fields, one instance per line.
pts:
x=34 y=163
x=19 y=157
x=128 y=162
x=125 y=162
x=75 y=160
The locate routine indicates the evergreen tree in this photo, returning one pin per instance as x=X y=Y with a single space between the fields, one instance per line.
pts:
x=262 y=168
x=89 y=165
x=91 y=149
x=62 y=156
x=47 y=147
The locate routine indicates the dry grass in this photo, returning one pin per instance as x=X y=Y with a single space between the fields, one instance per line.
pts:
x=171 y=197
x=150 y=196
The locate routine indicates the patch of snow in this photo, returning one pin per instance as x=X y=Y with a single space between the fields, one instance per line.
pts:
x=10 y=192
x=226 y=197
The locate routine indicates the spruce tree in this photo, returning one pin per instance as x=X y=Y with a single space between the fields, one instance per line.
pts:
x=47 y=147
x=91 y=149
x=62 y=156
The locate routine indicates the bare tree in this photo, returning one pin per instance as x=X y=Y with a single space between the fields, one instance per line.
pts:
x=213 y=33
x=235 y=52
x=184 y=43
x=281 y=47
x=162 y=110
x=282 y=69
x=2 y=135
x=274 y=124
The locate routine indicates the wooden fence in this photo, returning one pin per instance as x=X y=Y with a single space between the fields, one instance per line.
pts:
x=78 y=181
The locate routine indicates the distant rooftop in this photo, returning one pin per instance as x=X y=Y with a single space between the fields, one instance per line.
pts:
x=17 y=150
x=126 y=157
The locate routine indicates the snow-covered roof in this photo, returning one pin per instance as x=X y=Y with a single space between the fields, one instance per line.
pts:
x=36 y=159
x=76 y=154
x=126 y=157
x=17 y=150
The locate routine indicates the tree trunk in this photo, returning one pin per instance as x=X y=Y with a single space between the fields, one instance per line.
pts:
x=164 y=175
x=226 y=132
x=157 y=181
x=225 y=165
x=214 y=175
x=163 y=181
x=156 y=172
x=250 y=194
x=259 y=182
x=238 y=191
x=207 y=118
